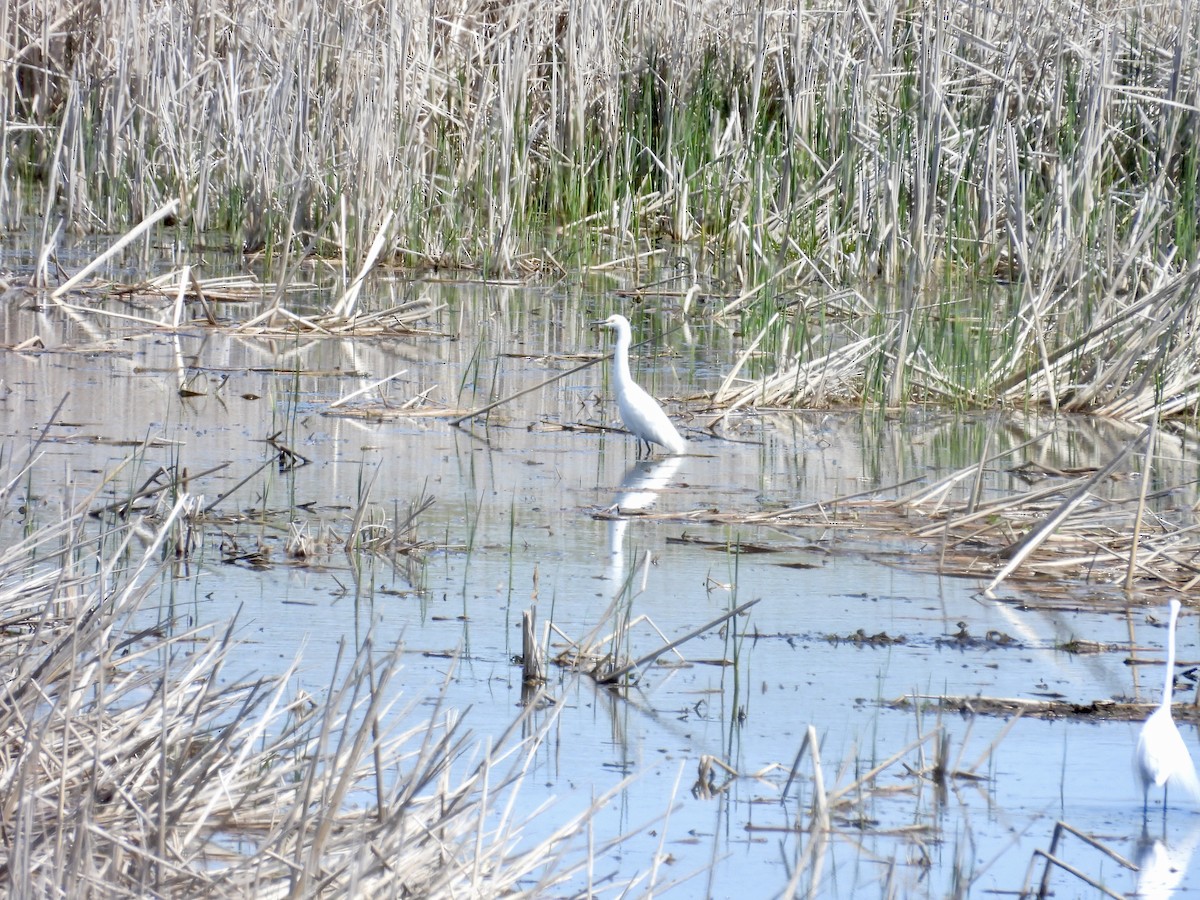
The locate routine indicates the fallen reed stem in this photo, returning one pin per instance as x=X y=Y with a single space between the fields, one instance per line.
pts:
x=167 y=209
x=1018 y=552
x=622 y=671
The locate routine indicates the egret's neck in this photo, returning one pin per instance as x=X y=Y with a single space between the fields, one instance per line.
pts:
x=621 y=359
x=1169 y=680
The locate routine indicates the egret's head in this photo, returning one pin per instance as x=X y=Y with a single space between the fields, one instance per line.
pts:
x=615 y=321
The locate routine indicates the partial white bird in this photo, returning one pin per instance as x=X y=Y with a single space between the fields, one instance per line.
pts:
x=1162 y=758
x=639 y=411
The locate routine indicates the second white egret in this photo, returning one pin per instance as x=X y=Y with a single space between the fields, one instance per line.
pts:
x=639 y=411
x=1162 y=758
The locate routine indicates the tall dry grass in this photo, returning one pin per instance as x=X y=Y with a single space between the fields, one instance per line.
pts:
x=131 y=765
x=865 y=139
x=1048 y=148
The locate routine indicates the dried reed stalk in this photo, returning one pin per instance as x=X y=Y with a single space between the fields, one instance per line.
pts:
x=132 y=767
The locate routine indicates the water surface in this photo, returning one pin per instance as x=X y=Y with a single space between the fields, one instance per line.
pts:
x=537 y=506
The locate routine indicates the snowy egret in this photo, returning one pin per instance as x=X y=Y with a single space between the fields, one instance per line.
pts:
x=639 y=411
x=1162 y=758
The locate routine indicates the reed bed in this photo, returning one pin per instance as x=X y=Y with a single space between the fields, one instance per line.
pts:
x=131 y=766
x=1010 y=191
x=1121 y=528
x=914 y=141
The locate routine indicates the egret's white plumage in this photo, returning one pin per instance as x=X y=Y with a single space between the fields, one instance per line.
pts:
x=1162 y=758
x=639 y=411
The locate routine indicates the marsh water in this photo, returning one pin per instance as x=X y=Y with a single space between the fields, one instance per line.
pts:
x=537 y=504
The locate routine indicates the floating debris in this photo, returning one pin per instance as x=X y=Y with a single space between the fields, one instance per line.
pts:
x=861 y=638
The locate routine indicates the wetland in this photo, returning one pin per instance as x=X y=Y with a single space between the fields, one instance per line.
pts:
x=865 y=542
x=329 y=570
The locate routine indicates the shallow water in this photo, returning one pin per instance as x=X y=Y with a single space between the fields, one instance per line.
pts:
x=523 y=517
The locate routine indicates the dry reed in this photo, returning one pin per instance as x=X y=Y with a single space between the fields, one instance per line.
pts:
x=131 y=766
x=794 y=155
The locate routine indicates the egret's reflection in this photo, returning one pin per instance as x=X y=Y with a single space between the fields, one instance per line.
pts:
x=1162 y=866
x=638 y=492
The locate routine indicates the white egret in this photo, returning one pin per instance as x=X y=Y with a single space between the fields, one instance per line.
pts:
x=639 y=411
x=1162 y=758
